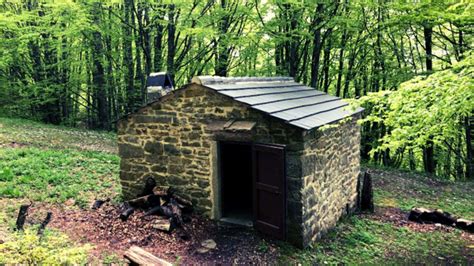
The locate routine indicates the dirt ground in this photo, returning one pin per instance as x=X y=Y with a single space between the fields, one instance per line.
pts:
x=109 y=234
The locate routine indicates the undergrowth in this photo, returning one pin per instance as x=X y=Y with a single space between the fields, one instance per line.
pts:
x=58 y=175
x=53 y=248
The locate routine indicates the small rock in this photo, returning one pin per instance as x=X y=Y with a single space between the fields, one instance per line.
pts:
x=202 y=250
x=209 y=244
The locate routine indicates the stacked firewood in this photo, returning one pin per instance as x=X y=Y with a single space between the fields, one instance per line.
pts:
x=163 y=202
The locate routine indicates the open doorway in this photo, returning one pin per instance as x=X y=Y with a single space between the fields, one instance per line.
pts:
x=236 y=183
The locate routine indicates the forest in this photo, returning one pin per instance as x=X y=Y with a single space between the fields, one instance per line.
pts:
x=84 y=63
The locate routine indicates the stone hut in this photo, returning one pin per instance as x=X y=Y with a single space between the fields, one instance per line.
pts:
x=265 y=152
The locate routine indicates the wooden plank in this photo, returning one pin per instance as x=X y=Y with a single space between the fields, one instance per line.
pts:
x=139 y=256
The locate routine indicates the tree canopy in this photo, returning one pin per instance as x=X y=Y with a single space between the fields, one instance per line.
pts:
x=85 y=62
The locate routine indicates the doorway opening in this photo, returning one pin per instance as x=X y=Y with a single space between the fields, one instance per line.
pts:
x=236 y=183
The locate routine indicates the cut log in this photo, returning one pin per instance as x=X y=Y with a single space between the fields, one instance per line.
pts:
x=465 y=225
x=160 y=210
x=422 y=215
x=161 y=191
x=98 y=203
x=162 y=225
x=185 y=205
x=141 y=257
x=176 y=211
x=367 y=195
x=144 y=202
x=125 y=214
x=44 y=223
x=22 y=213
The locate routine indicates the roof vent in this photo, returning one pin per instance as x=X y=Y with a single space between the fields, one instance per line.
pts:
x=157 y=85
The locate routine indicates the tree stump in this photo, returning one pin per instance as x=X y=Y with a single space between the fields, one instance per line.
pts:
x=367 y=195
x=22 y=213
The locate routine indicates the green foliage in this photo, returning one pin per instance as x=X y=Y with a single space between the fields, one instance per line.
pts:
x=425 y=108
x=54 y=248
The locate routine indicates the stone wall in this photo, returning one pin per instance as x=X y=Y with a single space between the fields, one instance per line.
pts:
x=173 y=142
x=331 y=165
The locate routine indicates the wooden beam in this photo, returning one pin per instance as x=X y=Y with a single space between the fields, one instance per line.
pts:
x=139 y=256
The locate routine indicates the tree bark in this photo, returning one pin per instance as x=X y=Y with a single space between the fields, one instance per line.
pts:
x=171 y=42
x=98 y=72
x=317 y=46
x=428 y=150
x=128 y=57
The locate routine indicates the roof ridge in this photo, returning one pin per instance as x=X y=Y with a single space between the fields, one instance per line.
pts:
x=207 y=80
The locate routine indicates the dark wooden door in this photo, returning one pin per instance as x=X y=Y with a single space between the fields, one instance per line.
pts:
x=269 y=189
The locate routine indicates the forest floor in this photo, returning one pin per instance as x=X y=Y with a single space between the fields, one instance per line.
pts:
x=64 y=170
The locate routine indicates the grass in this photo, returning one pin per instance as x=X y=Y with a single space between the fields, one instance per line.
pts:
x=362 y=240
x=31 y=133
x=407 y=190
x=53 y=164
x=55 y=176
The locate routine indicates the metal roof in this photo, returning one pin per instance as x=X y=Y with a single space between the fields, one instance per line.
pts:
x=283 y=98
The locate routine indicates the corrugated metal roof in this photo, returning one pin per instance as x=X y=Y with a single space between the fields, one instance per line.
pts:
x=283 y=98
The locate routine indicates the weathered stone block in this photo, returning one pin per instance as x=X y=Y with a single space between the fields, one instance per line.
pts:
x=130 y=151
x=154 y=147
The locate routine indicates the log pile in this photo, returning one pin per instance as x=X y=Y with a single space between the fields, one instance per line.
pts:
x=161 y=201
x=422 y=215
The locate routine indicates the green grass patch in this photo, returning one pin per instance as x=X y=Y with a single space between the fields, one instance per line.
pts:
x=363 y=241
x=31 y=133
x=58 y=175
x=407 y=190
x=53 y=248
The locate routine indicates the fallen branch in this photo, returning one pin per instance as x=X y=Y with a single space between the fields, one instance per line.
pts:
x=144 y=202
x=44 y=223
x=422 y=215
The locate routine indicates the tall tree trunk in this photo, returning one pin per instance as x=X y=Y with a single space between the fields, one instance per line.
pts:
x=138 y=51
x=428 y=151
x=98 y=72
x=222 y=50
x=326 y=62
x=131 y=94
x=341 y=62
x=171 y=42
x=147 y=39
x=316 y=47
x=158 y=41
x=469 y=129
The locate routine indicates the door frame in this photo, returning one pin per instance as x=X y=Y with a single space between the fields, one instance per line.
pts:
x=216 y=181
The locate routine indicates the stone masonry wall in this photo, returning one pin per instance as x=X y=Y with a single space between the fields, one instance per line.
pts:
x=331 y=165
x=171 y=141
